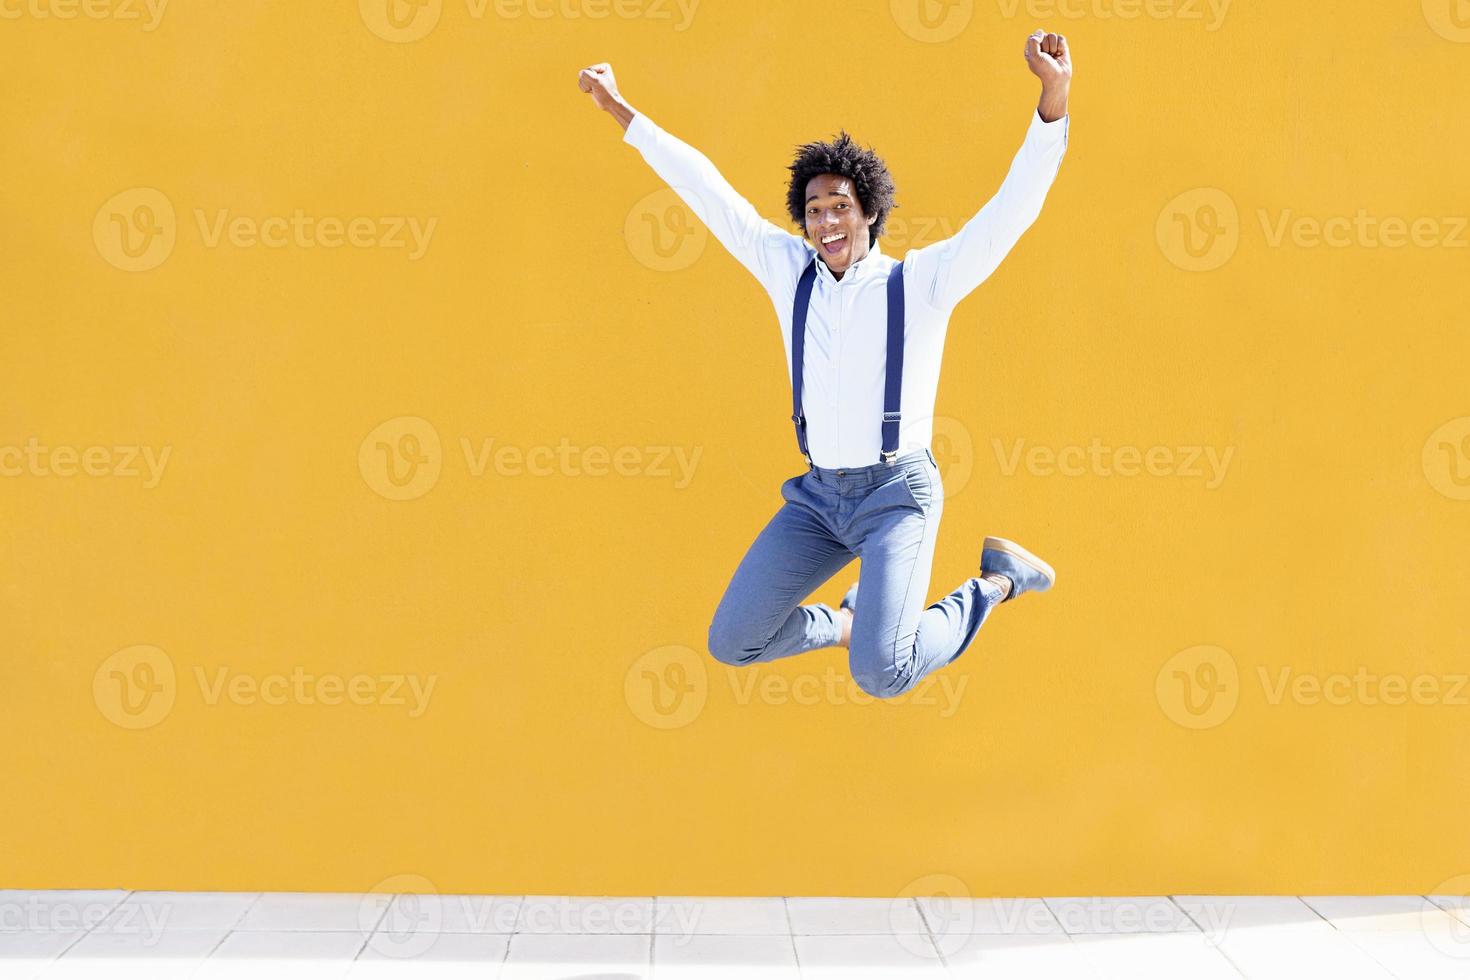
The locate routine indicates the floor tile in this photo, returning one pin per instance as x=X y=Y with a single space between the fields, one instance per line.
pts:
x=1093 y=915
x=852 y=957
x=687 y=916
x=854 y=916
x=1155 y=956
x=1019 y=958
x=1438 y=955
x=433 y=955
x=724 y=957
x=315 y=912
x=154 y=911
x=988 y=916
x=558 y=957
x=1294 y=952
x=1457 y=905
x=286 y=935
x=23 y=910
x=452 y=913
x=1379 y=912
x=605 y=915
x=1215 y=915
x=169 y=953
x=24 y=954
x=283 y=955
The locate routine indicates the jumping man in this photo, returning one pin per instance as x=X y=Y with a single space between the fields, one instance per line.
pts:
x=864 y=335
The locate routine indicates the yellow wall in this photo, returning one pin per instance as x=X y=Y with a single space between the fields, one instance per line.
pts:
x=1125 y=734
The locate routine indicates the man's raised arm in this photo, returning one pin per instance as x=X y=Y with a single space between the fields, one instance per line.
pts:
x=762 y=247
x=948 y=271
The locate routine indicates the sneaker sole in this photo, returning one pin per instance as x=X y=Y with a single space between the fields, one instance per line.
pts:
x=1021 y=554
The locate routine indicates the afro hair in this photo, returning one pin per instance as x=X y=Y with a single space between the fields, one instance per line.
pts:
x=867 y=171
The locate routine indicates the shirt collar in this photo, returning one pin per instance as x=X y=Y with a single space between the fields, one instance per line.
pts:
x=862 y=267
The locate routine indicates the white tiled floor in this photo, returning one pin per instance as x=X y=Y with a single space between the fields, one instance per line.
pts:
x=117 y=934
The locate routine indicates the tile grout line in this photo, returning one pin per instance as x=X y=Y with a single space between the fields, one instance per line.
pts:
x=929 y=934
x=392 y=900
x=1071 y=943
x=377 y=923
x=1348 y=938
x=791 y=931
x=1215 y=946
x=231 y=929
x=88 y=931
x=505 y=959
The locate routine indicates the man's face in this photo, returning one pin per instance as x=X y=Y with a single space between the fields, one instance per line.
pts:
x=833 y=212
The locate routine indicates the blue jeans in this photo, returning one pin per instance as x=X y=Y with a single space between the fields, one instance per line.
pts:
x=889 y=517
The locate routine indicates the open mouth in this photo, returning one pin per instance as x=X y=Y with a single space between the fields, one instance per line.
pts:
x=834 y=243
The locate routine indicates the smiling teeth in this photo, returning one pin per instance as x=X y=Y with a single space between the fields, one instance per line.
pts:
x=832 y=238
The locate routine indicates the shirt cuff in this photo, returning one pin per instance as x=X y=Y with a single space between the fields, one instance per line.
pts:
x=1053 y=132
x=638 y=131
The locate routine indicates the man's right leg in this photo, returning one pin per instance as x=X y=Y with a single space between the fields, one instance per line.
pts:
x=760 y=617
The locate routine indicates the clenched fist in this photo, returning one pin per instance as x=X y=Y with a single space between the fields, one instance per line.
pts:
x=598 y=79
x=1048 y=58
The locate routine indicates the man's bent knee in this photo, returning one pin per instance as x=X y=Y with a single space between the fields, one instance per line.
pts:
x=879 y=685
x=734 y=646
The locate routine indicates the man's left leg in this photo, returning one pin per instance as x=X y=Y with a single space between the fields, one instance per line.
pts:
x=897 y=639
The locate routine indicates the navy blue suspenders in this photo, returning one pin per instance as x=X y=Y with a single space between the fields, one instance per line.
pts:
x=893 y=370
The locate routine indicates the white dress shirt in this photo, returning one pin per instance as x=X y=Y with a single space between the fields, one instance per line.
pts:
x=847 y=325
